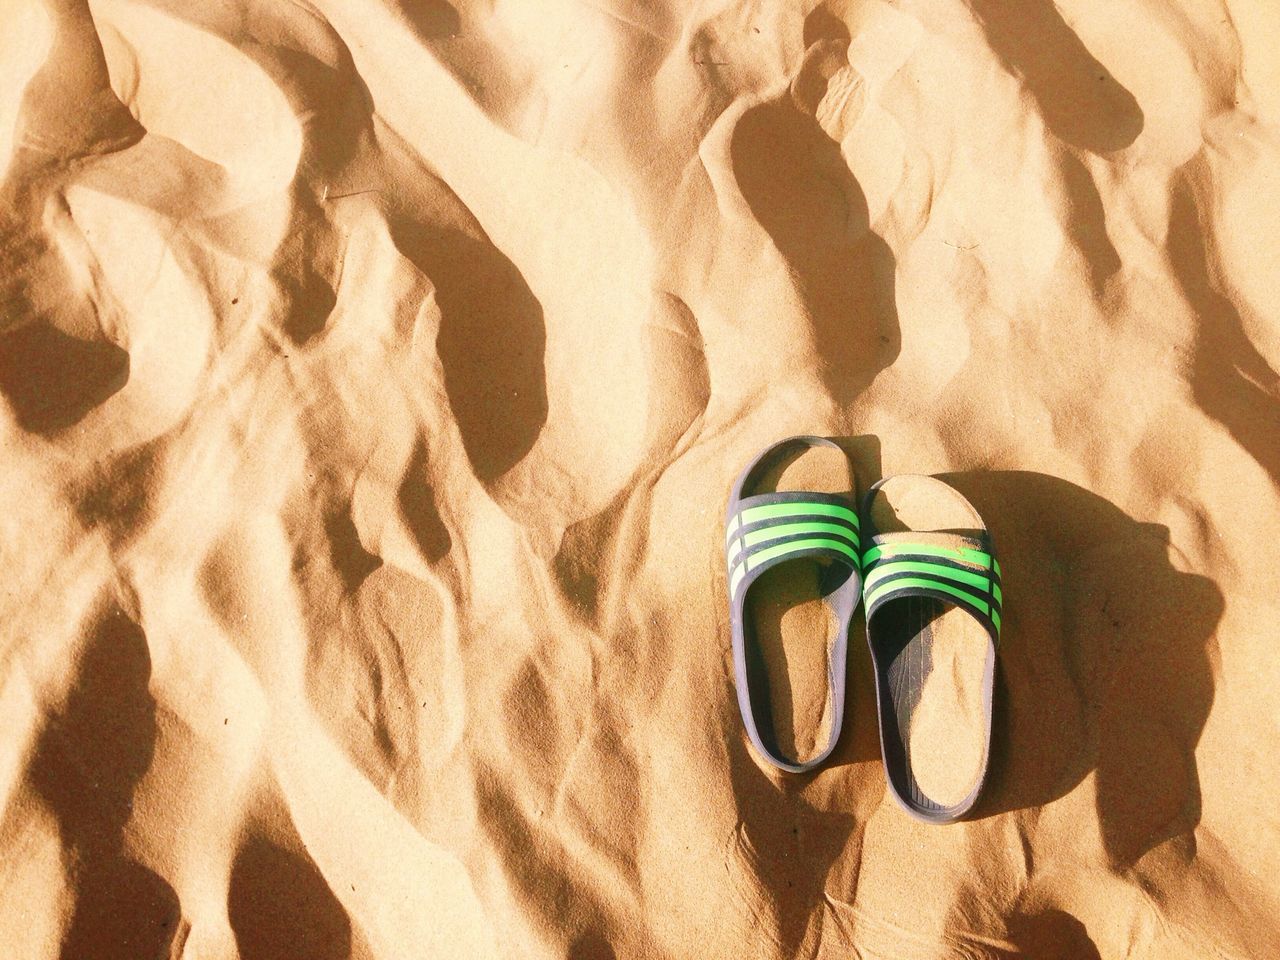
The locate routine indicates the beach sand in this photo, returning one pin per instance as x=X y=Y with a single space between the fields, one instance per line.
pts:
x=372 y=378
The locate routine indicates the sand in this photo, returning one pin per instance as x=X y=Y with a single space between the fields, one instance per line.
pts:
x=372 y=378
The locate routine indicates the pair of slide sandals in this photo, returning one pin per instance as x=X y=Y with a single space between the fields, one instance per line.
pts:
x=919 y=559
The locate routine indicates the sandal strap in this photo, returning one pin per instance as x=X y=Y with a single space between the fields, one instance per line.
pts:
x=769 y=528
x=896 y=567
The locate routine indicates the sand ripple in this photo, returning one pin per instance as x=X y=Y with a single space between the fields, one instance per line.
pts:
x=371 y=378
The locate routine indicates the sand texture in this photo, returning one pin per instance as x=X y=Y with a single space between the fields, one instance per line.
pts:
x=372 y=378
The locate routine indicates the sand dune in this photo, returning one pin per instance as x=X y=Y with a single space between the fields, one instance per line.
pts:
x=372 y=377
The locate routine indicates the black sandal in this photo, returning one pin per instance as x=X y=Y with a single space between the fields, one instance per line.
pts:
x=933 y=601
x=765 y=530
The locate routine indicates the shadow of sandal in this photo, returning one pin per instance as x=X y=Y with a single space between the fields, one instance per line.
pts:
x=1106 y=662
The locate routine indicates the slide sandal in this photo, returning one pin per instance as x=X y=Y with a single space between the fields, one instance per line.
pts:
x=810 y=542
x=933 y=602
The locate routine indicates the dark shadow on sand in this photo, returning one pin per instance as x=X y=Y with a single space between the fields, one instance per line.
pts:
x=1081 y=102
x=1106 y=661
x=280 y=906
x=800 y=189
x=87 y=763
x=491 y=343
x=1231 y=380
x=1052 y=935
x=1086 y=220
x=432 y=19
x=417 y=499
x=53 y=379
x=591 y=946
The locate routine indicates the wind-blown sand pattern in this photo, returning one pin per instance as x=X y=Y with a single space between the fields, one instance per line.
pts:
x=372 y=376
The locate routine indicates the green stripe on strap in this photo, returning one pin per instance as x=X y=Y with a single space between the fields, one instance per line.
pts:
x=963 y=554
x=797 y=508
x=889 y=568
x=873 y=595
x=769 y=553
x=754 y=560
x=790 y=530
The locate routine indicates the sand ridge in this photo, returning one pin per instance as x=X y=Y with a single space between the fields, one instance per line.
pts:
x=372 y=376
